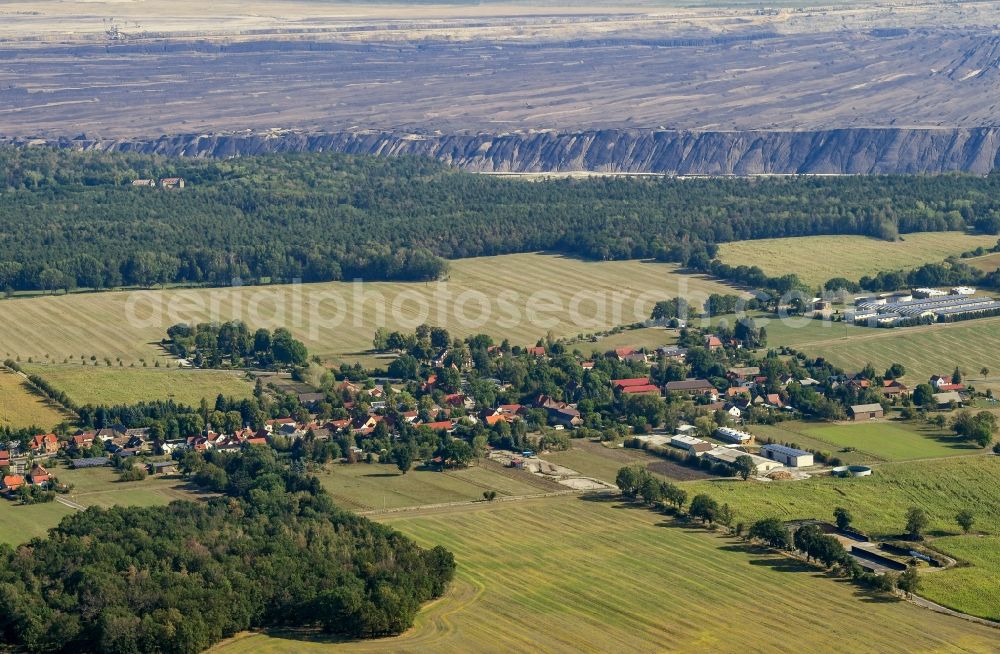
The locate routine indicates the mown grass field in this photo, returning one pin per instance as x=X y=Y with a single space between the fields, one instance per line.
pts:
x=20 y=407
x=987 y=263
x=879 y=504
x=380 y=486
x=890 y=440
x=337 y=320
x=103 y=385
x=973 y=588
x=815 y=259
x=570 y=575
x=924 y=351
x=22 y=523
x=649 y=338
x=91 y=487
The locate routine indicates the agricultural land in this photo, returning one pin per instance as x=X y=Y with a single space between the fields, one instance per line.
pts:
x=21 y=406
x=343 y=332
x=816 y=259
x=603 y=576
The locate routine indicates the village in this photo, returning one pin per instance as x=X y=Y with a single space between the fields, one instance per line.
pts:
x=685 y=402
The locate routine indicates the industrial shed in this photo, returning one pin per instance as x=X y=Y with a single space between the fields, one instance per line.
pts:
x=788 y=456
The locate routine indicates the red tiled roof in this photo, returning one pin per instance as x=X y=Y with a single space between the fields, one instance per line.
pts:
x=631 y=381
x=645 y=388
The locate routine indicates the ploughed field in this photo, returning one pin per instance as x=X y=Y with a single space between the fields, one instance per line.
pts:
x=521 y=297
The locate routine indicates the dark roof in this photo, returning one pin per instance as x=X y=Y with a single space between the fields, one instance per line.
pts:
x=94 y=462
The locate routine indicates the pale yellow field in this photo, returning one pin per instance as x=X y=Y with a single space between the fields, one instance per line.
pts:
x=19 y=407
x=815 y=259
x=570 y=575
x=525 y=296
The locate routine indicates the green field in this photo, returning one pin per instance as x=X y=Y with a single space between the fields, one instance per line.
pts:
x=570 y=575
x=130 y=324
x=379 y=486
x=649 y=338
x=20 y=407
x=879 y=504
x=104 y=385
x=972 y=588
x=22 y=523
x=91 y=487
x=815 y=259
x=888 y=440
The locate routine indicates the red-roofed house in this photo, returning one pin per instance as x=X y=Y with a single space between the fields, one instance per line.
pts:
x=622 y=384
x=12 y=482
x=39 y=476
x=445 y=425
x=44 y=443
x=944 y=388
x=712 y=342
x=536 y=351
x=4 y=458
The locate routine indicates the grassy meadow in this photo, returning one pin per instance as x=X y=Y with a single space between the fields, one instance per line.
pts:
x=570 y=575
x=110 y=385
x=91 y=487
x=815 y=259
x=21 y=407
x=381 y=486
x=885 y=440
x=337 y=320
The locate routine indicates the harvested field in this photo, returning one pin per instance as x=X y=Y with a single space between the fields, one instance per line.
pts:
x=815 y=259
x=622 y=568
x=103 y=385
x=344 y=331
x=20 y=406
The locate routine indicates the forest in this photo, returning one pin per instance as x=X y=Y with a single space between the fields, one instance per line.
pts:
x=273 y=551
x=73 y=220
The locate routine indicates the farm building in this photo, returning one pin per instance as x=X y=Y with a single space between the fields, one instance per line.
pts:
x=866 y=412
x=788 y=456
x=731 y=435
x=691 y=387
x=728 y=455
x=692 y=445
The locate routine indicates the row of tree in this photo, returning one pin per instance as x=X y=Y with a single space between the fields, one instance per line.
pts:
x=80 y=224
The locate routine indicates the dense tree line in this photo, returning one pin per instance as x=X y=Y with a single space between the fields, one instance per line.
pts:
x=274 y=551
x=79 y=223
x=232 y=344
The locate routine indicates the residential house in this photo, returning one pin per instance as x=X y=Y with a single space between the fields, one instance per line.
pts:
x=739 y=374
x=712 y=342
x=673 y=353
x=39 y=476
x=12 y=483
x=42 y=444
x=172 y=182
x=144 y=182
x=4 y=458
x=538 y=351
x=692 y=387
x=893 y=388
